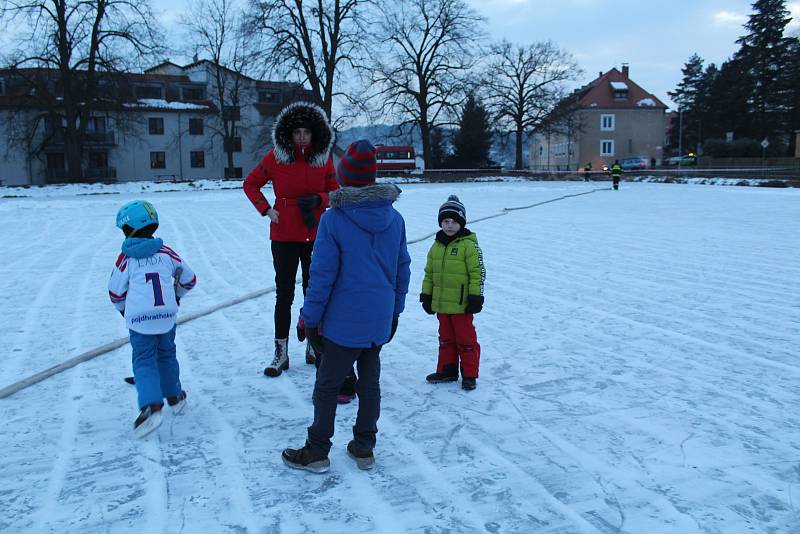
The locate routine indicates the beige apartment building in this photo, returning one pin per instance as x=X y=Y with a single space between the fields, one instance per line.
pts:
x=611 y=118
x=164 y=124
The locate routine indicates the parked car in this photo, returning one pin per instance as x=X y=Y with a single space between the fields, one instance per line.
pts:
x=634 y=164
x=684 y=161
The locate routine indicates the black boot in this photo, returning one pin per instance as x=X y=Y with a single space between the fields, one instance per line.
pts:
x=468 y=383
x=364 y=460
x=306 y=458
x=449 y=374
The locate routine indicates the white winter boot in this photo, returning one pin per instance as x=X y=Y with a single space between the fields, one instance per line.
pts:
x=281 y=361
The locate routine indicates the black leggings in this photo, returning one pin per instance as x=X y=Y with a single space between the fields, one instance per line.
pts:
x=285 y=256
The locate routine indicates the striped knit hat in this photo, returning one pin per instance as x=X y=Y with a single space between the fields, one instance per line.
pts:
x=358 y=165
x=453 y=209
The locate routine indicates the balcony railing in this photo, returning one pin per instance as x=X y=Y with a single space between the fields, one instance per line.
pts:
x=98 y=174
x=56 y=138
x=101 y=173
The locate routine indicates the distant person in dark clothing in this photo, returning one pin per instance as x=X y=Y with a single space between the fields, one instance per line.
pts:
x=616 y=173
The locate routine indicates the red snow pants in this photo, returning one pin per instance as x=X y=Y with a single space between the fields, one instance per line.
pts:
x=458 y=340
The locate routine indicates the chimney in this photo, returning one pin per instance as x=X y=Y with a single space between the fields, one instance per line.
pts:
x=195 y=58
x=625 y=70
x=600 y=75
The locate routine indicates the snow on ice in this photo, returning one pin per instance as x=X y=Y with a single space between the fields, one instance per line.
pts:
x=639 y=374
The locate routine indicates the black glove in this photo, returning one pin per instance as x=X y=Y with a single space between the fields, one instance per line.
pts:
x=301 y=330
x=427 y=301
x=474 y=304
x=314 y=338
x=309 y=202
x=394 y=328
x=309 y=219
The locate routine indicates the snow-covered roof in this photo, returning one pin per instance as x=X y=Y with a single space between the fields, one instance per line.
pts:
x=646 y=102
x=619 y=86
x=163 y=104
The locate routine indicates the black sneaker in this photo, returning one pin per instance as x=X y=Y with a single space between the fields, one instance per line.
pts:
x=149 y=419
x=364 y=460
x=468 y=383
x=306 y=458
x=438 y=378
x=177 y=403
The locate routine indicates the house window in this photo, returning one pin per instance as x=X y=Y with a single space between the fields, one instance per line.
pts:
x=155 y=125
x=607 y=147
x=148 y=91
x=198 y=159
x=231 y=113
x=195 y=126
x=269 y=97
x=158 y=160
x=98 y=160
x=607 y=123
x=96 y=125
x=236 y=142
x=193 y=93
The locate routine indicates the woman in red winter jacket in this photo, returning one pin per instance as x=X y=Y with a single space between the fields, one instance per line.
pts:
x=302 y=174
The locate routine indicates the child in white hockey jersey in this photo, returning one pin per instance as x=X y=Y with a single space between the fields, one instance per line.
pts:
x=146 y=286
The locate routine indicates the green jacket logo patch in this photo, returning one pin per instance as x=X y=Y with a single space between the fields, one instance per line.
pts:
x=454 y=251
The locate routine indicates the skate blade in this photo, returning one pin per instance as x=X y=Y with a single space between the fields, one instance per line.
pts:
x=153 y=422
x=321 y=466
x=365 y=464
x=178 y=408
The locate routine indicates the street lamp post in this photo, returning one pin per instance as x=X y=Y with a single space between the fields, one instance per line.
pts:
x=680 y=135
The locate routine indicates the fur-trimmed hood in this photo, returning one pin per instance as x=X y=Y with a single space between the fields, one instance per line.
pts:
x=368 y=193
x=291 y=117
x=369 y=206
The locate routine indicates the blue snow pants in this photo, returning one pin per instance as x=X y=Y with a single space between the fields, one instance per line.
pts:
x=155 y=367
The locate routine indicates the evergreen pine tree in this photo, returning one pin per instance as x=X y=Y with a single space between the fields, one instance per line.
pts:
x=725 y=99
x=474 y=138
x=685 y=96
x=764 y=58
x=437 y=148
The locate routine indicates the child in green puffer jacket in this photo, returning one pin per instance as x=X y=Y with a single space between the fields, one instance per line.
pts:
x=453 y=289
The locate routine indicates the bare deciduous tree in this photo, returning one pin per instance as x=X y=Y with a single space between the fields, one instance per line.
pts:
x=428 y=48
x=315 y=41
x=64 y=46
x=219 y=32
x=523 y=84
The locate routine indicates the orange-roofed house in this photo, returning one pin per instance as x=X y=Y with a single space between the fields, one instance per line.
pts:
x=610 y=118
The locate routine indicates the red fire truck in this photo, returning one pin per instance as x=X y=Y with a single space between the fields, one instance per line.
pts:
x=395 y=158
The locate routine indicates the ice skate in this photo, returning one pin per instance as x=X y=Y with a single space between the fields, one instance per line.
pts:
x=149 y=419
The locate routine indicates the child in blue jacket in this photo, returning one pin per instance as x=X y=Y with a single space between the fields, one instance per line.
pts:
x=360 y=270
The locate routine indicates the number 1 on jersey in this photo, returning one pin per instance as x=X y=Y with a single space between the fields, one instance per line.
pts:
x=158 y=297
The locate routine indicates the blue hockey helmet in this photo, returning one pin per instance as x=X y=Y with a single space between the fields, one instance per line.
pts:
x=136 y=215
